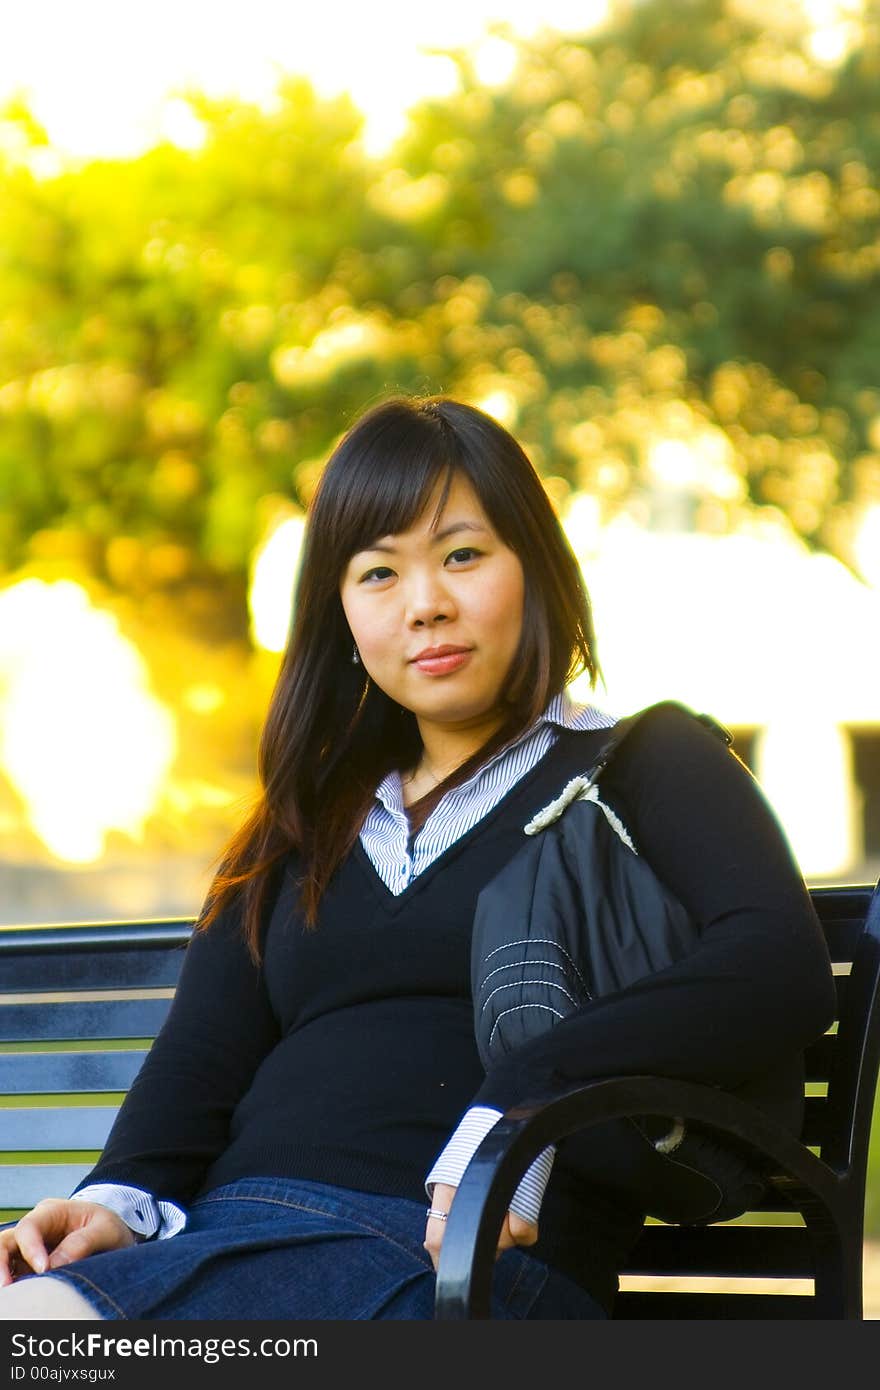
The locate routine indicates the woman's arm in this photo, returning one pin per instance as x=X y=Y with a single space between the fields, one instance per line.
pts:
x=175 y=1119
x=757 y=989
x=142 y=1213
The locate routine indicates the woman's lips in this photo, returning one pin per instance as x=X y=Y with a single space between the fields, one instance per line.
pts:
x=439 y=665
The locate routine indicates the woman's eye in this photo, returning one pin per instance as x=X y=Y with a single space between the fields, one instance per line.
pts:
x=380 y=572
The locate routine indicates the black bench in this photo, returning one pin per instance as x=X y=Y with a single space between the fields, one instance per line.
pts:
x=817 y=1182
x=79 y=1008
x=80 y=1005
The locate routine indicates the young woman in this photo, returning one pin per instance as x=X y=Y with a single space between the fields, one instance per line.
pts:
x=317 y=1075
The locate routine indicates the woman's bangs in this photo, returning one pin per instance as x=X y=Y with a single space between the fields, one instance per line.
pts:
x=390 y=489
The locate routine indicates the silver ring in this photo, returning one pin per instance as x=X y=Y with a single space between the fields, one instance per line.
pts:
x=440 y=1215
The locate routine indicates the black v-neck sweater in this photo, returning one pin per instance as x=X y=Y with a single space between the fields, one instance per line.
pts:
x=349 y=1057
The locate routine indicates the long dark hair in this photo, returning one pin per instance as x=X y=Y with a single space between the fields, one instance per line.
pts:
x=331 y=734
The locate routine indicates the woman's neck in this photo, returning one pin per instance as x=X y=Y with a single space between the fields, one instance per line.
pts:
x=446 y=747
x=439 y=760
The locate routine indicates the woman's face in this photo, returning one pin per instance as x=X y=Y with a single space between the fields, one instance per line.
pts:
x=457 y=586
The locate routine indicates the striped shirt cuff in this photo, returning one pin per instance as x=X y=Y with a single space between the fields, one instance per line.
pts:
x=474 y=1126
x=138 y=1209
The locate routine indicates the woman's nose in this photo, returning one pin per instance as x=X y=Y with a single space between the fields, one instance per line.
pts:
x=428 y=601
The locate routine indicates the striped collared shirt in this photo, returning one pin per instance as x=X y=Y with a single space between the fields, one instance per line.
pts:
x=385 y=834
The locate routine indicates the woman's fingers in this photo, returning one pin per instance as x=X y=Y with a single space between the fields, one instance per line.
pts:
x=24 y=1248
x=514 y=1231
x=57 y=1231
x=104 y=1231
x=38 y=1232
x=522 y=1232
x=8 y=1257
x=434 y=1239
x=441 y=1201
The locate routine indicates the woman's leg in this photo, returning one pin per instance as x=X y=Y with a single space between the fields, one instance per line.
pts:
x=45 y=1298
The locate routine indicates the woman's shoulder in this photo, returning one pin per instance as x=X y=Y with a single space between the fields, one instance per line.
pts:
x=658 y=735
x=674 y=752
x=670 y=728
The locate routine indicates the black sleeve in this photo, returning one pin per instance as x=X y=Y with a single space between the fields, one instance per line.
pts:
x=759 y=985
x=175 y=1119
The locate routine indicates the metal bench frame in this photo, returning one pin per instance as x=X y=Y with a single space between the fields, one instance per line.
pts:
x=822 y=1176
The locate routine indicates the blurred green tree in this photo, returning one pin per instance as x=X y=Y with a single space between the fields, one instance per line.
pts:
x=654 y=253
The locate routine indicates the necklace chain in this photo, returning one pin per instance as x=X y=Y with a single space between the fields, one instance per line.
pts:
x=423 y=763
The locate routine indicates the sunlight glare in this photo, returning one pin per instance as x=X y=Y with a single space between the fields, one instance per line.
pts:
x=702 y=462
x=273 y=575
x=502 y=405
x=494 y=61
x=181 y=126
x=126 y=89
x=835 y=28
x=867 y=546
x=812 y=796
x=751 y=629
x=83 y=741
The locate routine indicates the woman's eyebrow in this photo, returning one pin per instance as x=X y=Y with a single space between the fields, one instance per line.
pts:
x=440 y=535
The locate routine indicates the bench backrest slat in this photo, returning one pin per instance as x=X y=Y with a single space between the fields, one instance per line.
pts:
x=729 y=1251
x=819 y=1057
x=88 y=969
x=96 y=1019
x=815 y=1120
x=57 y=1127
x=661 y=1305
x=22 y=1186
x=61 y=1073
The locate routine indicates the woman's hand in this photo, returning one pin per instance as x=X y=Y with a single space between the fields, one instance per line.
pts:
x=57 y=1231
x=515 y=1231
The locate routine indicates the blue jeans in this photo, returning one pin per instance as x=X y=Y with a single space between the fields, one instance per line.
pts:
x=286 y=1248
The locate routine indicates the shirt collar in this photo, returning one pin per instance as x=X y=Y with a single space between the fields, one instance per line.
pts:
x=568 y=714
x=560 y=710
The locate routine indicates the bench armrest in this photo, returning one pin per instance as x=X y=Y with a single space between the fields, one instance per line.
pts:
x=467 y=1255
